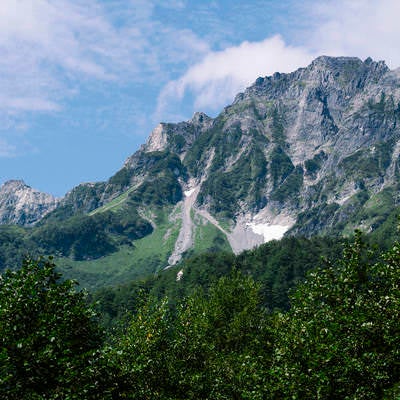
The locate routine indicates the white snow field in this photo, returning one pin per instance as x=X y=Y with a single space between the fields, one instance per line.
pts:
x=270 y=232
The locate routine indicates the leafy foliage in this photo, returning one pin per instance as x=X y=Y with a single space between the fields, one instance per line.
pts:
x=121 y=179
x=204 y=350
x=278 y=125
x=78 y=236
x=14 y=246
x=313 y=165
x=341 y=339
x=161 y=186
x=322 y=215
x=82 y=199
x=162 y=161
x=281 y=165
x=290 y=187
x=278 y=266
x=159 y=191
x=70 y=231
x=48 y=335
x=369 y=164
x=233 y=175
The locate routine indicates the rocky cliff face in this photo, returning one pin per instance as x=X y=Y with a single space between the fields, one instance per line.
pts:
x=315 y=151
x=22 y=205
x=317 y=146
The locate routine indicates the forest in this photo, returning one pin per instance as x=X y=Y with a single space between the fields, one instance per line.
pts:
x=326 y=329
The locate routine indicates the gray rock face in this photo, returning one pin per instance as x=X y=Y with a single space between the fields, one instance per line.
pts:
x=178 y=137
x=22 y=205
x=337 y=121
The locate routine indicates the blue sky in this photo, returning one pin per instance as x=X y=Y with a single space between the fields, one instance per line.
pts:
x=83 y=82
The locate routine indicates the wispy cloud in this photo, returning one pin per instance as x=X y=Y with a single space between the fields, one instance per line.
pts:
x=358 y=28
x=6 y=149
x=51 y=47
x=54 y=51
x=46 y=43
x=345 y=27
x=222 y=74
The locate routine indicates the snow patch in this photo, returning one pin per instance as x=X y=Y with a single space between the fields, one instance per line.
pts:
x=343 y=200
x=270 y=232
x=188 y=193
x=179 y=275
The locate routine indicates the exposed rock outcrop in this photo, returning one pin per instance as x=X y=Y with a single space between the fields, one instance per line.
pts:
x=22 y=205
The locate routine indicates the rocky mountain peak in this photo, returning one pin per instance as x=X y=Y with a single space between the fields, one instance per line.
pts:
x=22 y=205
x=13 y=184
x=176 y=137
x=352 y=65
x=157 y=140
x=333 y=70
x=200 y=119
x=345 y=74
x=328 y=62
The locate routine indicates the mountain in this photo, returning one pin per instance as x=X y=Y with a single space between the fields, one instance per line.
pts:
x=315 y=151
x=22 y=205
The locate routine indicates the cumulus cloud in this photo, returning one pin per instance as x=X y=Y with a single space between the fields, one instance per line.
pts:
x=222 y=74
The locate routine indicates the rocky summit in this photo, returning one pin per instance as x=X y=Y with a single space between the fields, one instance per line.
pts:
x=22 y=205
x=315 y=151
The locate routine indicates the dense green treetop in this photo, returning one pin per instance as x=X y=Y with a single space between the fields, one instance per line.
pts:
x=48 y=334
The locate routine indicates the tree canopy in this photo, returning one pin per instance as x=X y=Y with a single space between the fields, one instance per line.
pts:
x=340 y=338
x=48 y=334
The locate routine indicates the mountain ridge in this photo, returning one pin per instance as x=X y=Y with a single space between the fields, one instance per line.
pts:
x=314 y=151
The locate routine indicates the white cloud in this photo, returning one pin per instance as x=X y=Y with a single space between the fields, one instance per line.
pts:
x=45 y=43
x=59 y=55
x=358 y=28
x=27 y=104
x=222 y=74
x=174 y=4
x=52 y=49
x=49 y=48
